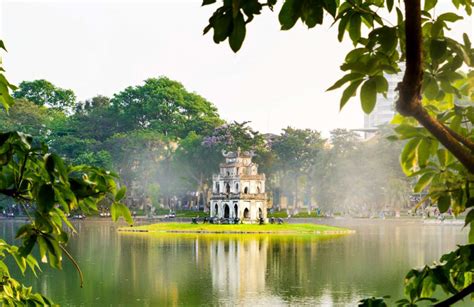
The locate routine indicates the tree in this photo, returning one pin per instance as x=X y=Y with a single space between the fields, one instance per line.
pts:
x=296 y=151
x=440 y=140
x=29 y=118
x=196 y=162
x=44 y=93
x=142 y=158
x=48 y=189
x=361 y=178
x=165 y=106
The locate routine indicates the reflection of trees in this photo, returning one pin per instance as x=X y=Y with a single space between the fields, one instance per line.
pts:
x=343 y=269
x=141 y=270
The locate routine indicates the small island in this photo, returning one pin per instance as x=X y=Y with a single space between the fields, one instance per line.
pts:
x=238 y=205
x=313 y=229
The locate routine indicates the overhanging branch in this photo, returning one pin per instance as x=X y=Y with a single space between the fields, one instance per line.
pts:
x=409 y=102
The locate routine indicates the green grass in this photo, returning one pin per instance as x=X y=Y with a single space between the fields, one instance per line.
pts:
x=239 y=228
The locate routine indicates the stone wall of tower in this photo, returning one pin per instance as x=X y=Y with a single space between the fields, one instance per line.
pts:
x=238 y=190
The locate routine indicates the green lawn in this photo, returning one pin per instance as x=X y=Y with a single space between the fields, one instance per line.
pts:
x=240 y=228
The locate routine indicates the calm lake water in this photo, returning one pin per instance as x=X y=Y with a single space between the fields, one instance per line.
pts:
x=159 y=270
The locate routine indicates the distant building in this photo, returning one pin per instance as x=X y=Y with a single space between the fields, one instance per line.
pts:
x=238 y=191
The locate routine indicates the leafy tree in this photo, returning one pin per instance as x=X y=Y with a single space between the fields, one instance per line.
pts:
x=233 y=136
x=44 y=93
x=196 y=162
x=296 y=151
x=360 y=178
x=165 y=106
x=142 y=159
x=440 y=142
x=27 y=117
x=48 y=189
x=94 y=119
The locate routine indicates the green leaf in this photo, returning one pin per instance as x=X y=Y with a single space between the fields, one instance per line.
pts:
x=117 y=210
x=349 y=92
x=442 y=156
x=430 y=87
x=437 y=49
x=27 y=246
x=368 y=95
x=343 y=80
x=312 y=13
x=222 y=27
x=120 y=193
x=388 y=39
x=423 y=182
x=469 y=217
x=206 y=2
x=289 y=14
x=331 y=7
x=381 y=84
x=354 y=28
x=429 y=4
x=45 y=197
x=444 y=202
x=390 y=5
x=237 y=36
x=424 y=151
x=408 y=156
x=437 y=28
x=342 y=27
x=450 y=17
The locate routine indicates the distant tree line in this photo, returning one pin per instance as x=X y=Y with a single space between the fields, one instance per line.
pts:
x=165 y=143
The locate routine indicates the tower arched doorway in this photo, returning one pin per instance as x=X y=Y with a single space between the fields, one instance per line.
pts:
x=260 y=213
x=246 y=213
x=216 y=210
x=226 y=211
x=236 y=211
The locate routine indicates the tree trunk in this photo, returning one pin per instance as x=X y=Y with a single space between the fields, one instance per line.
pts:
x=409 y=102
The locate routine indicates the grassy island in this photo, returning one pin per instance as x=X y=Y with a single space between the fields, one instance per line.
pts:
x=239 y=228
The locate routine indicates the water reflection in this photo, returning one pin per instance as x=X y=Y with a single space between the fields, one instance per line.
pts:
x=238 y=266
x=156 y=270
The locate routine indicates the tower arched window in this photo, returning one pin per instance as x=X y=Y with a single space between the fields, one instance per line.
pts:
x=246 y=190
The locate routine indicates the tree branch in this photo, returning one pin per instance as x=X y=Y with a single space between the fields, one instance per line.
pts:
x=409 y=102
x=74 y=263
x=447 y=139
x=456 y=297
x=462 y=139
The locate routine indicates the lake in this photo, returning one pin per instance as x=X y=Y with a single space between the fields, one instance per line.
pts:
x=126 y=269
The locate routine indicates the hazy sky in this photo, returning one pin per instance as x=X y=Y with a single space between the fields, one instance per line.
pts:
x=278 y=79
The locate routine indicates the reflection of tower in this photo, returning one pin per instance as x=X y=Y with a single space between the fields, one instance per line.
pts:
x=238 y=191
x=238 y=266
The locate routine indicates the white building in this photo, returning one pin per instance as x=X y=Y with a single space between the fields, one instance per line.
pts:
x=238 y=191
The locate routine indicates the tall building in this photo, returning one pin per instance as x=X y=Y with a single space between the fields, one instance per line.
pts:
x=238 y=191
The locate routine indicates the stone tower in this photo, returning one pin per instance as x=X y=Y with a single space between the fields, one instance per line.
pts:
x=238 y=190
